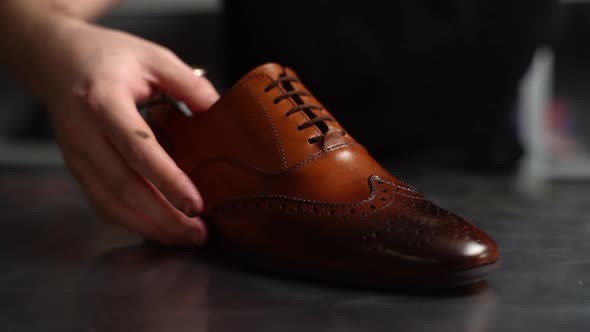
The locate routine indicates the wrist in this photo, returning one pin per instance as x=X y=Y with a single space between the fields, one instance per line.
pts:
x=33 y=37
x=84 y=10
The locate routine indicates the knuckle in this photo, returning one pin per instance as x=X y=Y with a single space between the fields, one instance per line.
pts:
x=166 y=53
x=199 y=84
x=138 y=144
x=136 y=153
x=186 y=204
x=160 y=176
x=93 y=93
x=178 y=196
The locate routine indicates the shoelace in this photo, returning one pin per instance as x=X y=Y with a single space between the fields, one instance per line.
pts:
x=314 y=119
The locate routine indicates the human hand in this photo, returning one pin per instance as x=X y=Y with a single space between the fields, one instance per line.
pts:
x=91 y=81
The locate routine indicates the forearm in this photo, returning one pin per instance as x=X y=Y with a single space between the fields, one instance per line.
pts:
x=83 y=9
x=29 y=27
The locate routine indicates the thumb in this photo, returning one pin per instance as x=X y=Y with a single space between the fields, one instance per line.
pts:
x=178 y=80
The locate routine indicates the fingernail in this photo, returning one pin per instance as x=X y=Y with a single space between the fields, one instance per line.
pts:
x=213 y=98
x=190 y=207
x=191 y=213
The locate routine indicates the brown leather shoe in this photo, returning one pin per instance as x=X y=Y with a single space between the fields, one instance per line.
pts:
x=287 y=188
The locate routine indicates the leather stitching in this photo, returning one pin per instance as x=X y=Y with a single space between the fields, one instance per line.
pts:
x=372 y=196
x=276 y=135
x=336 y=216
x=318 y=155
x=237 y=163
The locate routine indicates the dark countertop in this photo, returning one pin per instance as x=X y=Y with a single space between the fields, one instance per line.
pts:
x=63 y=270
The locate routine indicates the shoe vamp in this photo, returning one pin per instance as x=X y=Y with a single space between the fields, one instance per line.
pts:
x=337 y=176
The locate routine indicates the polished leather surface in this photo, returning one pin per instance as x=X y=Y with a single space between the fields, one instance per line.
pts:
x=65 y=271
x=308 y=199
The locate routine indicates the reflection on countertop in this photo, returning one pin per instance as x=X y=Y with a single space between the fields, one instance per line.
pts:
x=63 y=270
x=148 y=288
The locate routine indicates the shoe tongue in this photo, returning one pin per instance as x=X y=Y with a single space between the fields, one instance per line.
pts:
x=333 y=138
x=271 y=69
x=275 y=71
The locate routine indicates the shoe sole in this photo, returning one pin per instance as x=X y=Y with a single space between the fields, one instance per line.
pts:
x=451 y=280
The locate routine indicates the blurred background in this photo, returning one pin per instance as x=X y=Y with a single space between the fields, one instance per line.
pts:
x=488 y=86
x=461 y=98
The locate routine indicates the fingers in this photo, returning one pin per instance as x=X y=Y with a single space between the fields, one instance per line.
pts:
x=112 y=210
x=123 y=197
x=178 y=80
x=183 y=227
x=136 y=143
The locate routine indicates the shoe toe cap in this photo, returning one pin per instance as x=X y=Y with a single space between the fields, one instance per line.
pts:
x=426 y=233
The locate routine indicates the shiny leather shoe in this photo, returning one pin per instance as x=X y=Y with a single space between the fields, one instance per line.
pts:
x=288 y=189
